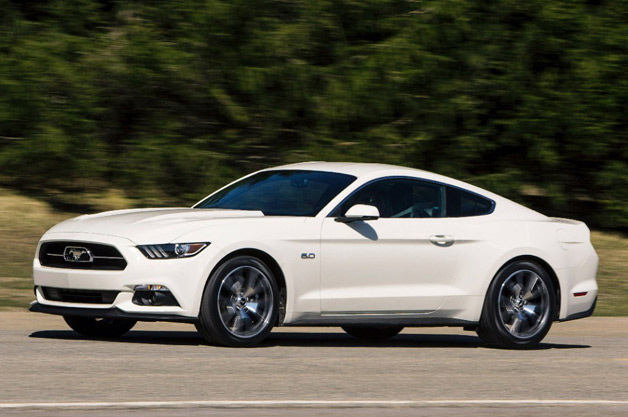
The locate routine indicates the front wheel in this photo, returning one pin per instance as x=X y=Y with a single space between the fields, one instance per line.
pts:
x=99 y=327
x=240 y=303
x=519 y=308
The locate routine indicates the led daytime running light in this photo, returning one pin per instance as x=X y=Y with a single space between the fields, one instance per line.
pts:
x=172 y=250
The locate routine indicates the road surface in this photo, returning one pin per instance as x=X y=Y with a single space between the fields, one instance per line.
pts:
x=164 y=369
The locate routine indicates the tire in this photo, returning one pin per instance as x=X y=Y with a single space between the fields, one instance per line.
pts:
x=99 y=327
x=519 y=308
x=372 y=333
x=240 y=303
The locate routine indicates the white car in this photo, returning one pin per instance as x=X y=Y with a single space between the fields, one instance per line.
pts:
x=368 y=247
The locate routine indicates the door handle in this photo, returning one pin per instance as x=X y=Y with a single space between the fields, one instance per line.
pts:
x=443 y=241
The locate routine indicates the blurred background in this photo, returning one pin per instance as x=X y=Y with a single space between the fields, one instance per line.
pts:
x=109 y=104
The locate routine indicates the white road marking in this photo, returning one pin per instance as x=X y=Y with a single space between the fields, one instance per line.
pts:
x=305 y=403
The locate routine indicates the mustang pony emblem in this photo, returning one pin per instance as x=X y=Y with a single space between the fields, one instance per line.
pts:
x=77 y=254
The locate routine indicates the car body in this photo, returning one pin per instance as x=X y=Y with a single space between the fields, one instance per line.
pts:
x=369 y=247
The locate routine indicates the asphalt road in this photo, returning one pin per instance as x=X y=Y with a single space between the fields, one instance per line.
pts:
x=163 y=369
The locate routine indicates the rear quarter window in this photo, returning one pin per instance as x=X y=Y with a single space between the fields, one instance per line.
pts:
x=462 y=203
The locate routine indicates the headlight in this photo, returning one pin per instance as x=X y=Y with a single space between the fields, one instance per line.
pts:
x=172 y=250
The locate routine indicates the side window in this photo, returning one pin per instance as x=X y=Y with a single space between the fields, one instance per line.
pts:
x=462 y=203
x=400 y=198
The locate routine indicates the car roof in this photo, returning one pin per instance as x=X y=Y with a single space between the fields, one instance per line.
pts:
x=357 y=169
x=371 y=170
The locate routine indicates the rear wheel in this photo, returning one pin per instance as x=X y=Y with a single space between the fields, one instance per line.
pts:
x=99 y=327
x=372 y=333
x=519 y=308
x=240 y=303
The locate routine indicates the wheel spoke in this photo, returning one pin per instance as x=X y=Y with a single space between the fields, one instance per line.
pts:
x=530 y=311
x=528 y=290
x=257 y=290
x=533 y=295
x=249 y=277
x=227 y=314
x=226 y=291
x=253 y=309
x=506 y=305
x=246 y=320
x=236 y=323
x=513 y=289
x=519 y=286
x=252 y=285
x=514 y=326
x=235 y=286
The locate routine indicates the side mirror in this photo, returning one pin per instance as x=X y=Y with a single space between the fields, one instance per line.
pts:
x=359 y=212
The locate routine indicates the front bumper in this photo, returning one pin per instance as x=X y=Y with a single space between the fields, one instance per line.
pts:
x=110 y=313
x=185 y=278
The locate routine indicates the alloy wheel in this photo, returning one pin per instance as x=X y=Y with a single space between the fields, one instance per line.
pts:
x=524 y=304
x=245 y=301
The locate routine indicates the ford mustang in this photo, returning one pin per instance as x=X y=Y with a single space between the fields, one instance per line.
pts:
x=370 y=248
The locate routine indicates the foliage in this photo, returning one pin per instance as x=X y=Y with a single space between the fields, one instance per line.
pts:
x=170 y=99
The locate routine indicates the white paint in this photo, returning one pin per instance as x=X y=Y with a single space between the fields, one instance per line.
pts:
x=307 y=403
x=389 y=265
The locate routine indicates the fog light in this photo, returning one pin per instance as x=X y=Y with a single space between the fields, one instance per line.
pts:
x=151 y=287
x=153 y=295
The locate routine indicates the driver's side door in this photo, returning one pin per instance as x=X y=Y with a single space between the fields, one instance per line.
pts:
x=402 y=262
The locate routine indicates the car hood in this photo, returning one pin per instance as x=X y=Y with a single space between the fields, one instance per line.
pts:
x=142 y=226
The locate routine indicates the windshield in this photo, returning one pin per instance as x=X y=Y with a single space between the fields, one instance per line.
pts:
x=281 y=193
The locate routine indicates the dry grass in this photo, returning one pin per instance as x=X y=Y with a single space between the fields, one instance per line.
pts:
x=23 y=220
x=612 y=276
x=16 y=293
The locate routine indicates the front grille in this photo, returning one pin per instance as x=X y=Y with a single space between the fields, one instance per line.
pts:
x=68 y=295
x=59 y=254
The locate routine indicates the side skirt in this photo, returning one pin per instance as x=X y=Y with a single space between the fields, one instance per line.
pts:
x=318 y=320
